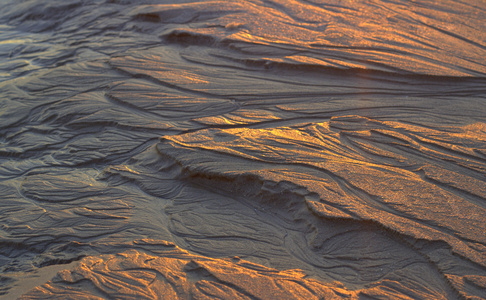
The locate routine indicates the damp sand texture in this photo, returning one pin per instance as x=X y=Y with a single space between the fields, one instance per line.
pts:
x=251 y=149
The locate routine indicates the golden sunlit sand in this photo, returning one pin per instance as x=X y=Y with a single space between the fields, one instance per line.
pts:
x=251 y=149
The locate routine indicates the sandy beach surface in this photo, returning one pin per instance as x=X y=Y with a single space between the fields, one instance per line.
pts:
x=251 y=149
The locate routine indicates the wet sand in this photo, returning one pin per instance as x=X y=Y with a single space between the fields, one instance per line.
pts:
x=242 y=149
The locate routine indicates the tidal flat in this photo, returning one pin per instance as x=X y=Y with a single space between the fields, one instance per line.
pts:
x=251 y=149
